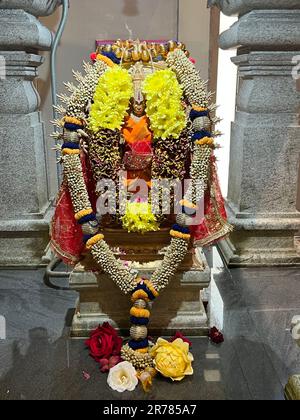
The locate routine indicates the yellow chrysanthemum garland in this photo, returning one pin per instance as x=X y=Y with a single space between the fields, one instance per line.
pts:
x=164 y=107
x=139 y=218
x=111 y=100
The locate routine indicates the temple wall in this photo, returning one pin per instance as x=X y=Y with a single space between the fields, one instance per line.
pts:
x=88 y=20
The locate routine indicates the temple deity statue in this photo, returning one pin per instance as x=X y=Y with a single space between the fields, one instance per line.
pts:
x=137 y=147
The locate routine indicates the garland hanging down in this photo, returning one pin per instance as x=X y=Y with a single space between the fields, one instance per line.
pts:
x=111 y=100
x=180 y=118
x=164 y=107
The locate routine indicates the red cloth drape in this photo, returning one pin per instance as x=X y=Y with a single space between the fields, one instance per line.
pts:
x=66 y=234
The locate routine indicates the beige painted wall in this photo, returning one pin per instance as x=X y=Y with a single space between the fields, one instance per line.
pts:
x=193 y=28
x=88 y=20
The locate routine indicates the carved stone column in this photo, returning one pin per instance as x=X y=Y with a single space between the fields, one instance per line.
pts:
x=24 y=200
x=265 y=140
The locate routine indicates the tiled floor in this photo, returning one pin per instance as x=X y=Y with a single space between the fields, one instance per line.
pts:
x=38 y=361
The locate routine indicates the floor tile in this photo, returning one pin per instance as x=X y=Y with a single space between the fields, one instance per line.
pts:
x=24 y=310
x=268 y=288
x=274 y=329
x=38 y=361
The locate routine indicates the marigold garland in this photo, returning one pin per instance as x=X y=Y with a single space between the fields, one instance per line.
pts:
x=140 y=294
x=111 y=100
x=83 y=213
x=73 y=120
x=67 y=151
x=188 y=204
x=139 y=313
x=206 y=140
x=143 y=351
x=105 y=60
x=92 y=241
x=199 y=108
x=164 y=107
x=176 y=234
x=150 y=286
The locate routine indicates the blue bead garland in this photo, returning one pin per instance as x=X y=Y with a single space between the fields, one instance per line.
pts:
x=197 y=114
x=145 y=289
x=70 y=145
x=201 y=134
x=112 y=56
x=135 y=345
x=72 y=127
x=139 y=321
x=181 y=229
x=88 y=218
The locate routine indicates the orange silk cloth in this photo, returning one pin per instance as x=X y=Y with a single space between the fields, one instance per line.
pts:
x=138 y=138
x=136 y=131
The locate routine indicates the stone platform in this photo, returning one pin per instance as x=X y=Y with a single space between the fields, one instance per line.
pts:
x=179 y=307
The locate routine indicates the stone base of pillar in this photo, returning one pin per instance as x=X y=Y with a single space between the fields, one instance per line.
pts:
x=23 y=242
x=261 y=241
x=262 y=256
x=179 y=307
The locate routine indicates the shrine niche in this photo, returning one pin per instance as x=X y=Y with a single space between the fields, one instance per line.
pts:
x=140 y=195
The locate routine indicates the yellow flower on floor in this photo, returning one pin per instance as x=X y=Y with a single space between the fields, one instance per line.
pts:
x=172 y=360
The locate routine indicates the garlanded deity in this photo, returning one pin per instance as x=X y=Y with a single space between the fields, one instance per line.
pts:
x=140 y=115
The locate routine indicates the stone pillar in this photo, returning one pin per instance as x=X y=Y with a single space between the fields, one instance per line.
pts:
x=265 y=140
x=24 y=200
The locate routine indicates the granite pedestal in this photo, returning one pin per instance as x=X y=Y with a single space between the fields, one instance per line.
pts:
x=179 y=307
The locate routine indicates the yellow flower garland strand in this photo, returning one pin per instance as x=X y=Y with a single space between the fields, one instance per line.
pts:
x=140 y=294
x=151 y=288
x=111 y=100
x=94 y=240
x=71 y=151
x=180 y=235
x=83 y=213
x=139 y=313
x=72 y=120
x=206 y=140
x=164 y=106
x=105 y=60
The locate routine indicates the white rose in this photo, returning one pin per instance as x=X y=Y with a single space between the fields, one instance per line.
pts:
x=122 y=377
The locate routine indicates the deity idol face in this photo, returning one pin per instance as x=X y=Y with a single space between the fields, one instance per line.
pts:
x=138 y=106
